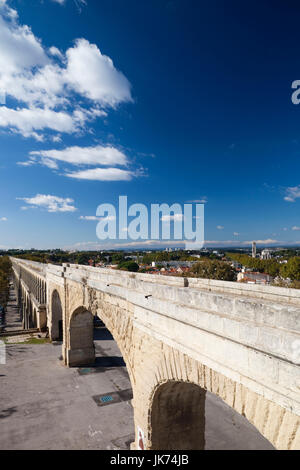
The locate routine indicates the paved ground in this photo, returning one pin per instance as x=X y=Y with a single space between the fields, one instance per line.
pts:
x=44 y=405
x=11 y=321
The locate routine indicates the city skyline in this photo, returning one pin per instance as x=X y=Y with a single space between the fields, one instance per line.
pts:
x=152 y=102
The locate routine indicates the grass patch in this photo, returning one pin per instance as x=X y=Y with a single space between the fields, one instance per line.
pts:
x=36 y=341
x=33 y=340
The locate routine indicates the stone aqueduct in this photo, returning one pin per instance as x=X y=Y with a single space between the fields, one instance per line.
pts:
x=179 y=338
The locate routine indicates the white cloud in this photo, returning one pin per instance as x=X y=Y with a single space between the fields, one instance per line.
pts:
x=93 y=217
x=49 y=202
x=89 y=245
x=102 y=174
x=199 y=201
x=27 y=121
x=268 y=241
x=292 y=193
x=55 y=52
x=88 y=217
x=106 y=156
x=19 y=48
x=48 y=83
x=98 y=155
x=295 y=228
x=175 y=218
x=236 y=234
x=78 y=3
x=93 y=75
x=3 y=219
x=220 y=227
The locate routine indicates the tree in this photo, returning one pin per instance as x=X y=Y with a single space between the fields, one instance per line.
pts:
x=128 y=266
x=83 y=258
x=272 y=268
x=291 y=269
x=213 y=269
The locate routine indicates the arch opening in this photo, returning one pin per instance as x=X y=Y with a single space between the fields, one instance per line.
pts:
x=107 y=352
x=30 y=315
x=186 y=417
x=34 y=318
x=178 y=417
x=56 y=333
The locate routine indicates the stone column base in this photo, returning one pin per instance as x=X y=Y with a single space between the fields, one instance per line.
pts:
x=79 y=357
x=42 y=318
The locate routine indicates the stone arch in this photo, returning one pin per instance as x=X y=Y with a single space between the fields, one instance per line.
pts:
x=117 y=318
x=184 y=416
x=56 y=329
x=81 y=349
x=276 y=424
x=178 y=417
x=118 y=323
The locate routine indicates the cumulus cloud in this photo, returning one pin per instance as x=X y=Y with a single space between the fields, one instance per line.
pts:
x=97 y=155
x=55 y=52
x=49 y=202
x=93 y=217
x=102 y=174
x=3 y=219
x=268 y=241
x=20 y=50
x=292 y=193
x=174 y=217
x=88 y=217
x=93 y=75
x=47 y=83
x=295 y=228
x=199 y=201
x=220 y=227
x=30 y=120
x=79 y=3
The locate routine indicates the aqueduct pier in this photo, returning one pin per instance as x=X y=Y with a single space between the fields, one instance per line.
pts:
x=179 y=338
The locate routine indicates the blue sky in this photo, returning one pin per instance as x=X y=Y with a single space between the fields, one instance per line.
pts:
x=163 y=101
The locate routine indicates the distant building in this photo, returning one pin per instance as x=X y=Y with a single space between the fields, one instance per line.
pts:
x=236 y=265
x=177 y=264
x=265 y=254
x=253 y=249
x=254 y=278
